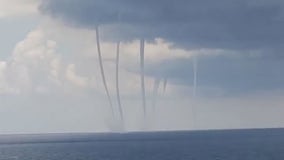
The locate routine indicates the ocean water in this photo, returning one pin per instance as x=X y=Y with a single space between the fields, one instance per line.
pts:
x=267 y=144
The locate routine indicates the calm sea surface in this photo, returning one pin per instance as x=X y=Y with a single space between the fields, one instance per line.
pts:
x=265 y=144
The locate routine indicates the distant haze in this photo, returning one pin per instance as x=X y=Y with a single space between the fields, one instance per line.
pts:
x=220 y=64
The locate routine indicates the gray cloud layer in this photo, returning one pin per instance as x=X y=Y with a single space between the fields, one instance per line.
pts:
x=241 y=26
x=232 y=75
x=229 y=24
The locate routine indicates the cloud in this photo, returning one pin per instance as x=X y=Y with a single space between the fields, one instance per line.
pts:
x=249 y=32
x=221 y=71
x=48 y=62
x=225 y=75
x=74 y=78
x=54 y=60
x=10 y=8
x=32 y=63
x=34 y=66
x=225 y=24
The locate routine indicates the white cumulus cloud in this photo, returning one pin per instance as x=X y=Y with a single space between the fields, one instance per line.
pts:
x=10 y=8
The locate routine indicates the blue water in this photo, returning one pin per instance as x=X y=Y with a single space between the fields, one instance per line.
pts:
x=265 y=144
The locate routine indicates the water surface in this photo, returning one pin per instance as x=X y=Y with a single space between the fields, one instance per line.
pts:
x=266 y=144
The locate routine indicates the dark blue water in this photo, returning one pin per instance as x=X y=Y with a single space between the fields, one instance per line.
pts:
x=265 y=144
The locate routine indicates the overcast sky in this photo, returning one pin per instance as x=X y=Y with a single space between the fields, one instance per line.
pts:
x=50 y=78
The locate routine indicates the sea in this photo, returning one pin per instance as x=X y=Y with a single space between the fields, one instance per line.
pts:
x=252 y=144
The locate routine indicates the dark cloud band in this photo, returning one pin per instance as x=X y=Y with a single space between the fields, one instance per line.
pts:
x=226 y=24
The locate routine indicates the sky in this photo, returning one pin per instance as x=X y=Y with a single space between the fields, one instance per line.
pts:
x=50 y=79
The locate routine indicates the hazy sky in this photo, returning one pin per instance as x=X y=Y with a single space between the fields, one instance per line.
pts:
x=50 y=79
